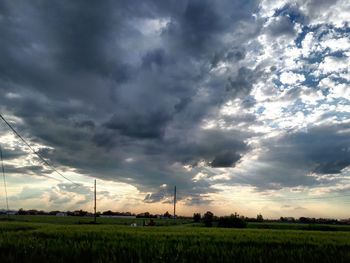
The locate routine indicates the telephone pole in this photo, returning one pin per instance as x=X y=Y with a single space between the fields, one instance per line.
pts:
x=4 y=178
x=174 y=201
x=95 y=203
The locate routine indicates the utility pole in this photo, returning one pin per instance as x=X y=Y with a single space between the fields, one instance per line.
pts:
x=174 y=201
x=95 y=203
x=4 y=178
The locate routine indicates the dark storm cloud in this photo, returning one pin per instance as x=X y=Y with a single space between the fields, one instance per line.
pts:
x=9 y=153
x=216 y=148
x=82 y=33
x=281 y=26
x=150 y=125
x=198 y=30
x=197 y=27
x=242 y=84
x=154 y=58
x=225 y=160
x=36 y=169
x=301 y=158
x=90 y=83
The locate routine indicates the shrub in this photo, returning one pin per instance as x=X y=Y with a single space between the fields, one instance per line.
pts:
x=208 y=219
x=231 y=221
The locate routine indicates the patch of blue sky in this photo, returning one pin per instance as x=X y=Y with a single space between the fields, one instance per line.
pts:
x=260 y=110
x=341 y=101
x=317 y=57
x=278 y=84
x=272 y=124
x=345 y=31
x=301 y=36
x=328 y=29
x=337 y=115
x=311 y=81
x=300 y=106
x=292 y=13
x=320 y=32
x=339 y=80
x=338 y=54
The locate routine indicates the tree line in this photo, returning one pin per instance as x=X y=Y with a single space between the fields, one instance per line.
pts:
x=237 y=221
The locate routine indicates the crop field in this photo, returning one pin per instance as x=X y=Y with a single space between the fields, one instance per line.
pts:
x=87 y=220
x=37 y=239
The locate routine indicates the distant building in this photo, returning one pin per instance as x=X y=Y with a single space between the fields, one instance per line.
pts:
x=9 y=212
x=12 y=212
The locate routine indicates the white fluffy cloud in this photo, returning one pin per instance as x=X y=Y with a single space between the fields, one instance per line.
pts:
x=291 y=78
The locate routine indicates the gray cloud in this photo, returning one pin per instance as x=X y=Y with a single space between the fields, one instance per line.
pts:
x=281 y=26
x=301 y=158
x=120 y=90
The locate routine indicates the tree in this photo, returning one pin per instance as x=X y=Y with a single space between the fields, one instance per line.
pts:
x=108 y=213
x=167 y=214
x=196 y=217
x=21 y=212
x=232 y=221
x=208 y=219
x=259 y=218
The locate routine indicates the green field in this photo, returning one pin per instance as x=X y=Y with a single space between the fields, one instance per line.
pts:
x=87 y=220
x=71 y=239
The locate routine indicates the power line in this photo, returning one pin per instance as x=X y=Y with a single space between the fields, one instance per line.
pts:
x=3 y=175
x=35 y=152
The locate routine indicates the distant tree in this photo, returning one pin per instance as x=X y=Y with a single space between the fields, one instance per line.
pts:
x=166 y=214
x=53 y=213
x=259 y=218
x=208 y=219
x=304 y=220
x=197 y=217
x=232 y=221
x=108 y=213
x=21 y=212
x=79 y=213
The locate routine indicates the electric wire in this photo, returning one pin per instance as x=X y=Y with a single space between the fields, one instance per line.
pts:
x=35 y=152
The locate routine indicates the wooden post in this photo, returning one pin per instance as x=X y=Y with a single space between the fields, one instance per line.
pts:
x=95 y=203
x=4 y=178
x=174 y=201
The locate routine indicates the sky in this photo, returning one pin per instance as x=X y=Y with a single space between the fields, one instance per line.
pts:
x=244 y=105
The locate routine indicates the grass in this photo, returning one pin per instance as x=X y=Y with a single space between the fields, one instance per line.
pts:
x=298 y=226
x=86 y=220
x=68 y=241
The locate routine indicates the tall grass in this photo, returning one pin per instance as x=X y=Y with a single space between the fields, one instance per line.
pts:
x=35 y=242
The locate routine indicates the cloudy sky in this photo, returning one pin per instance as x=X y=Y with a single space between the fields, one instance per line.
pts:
x=243 y=105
